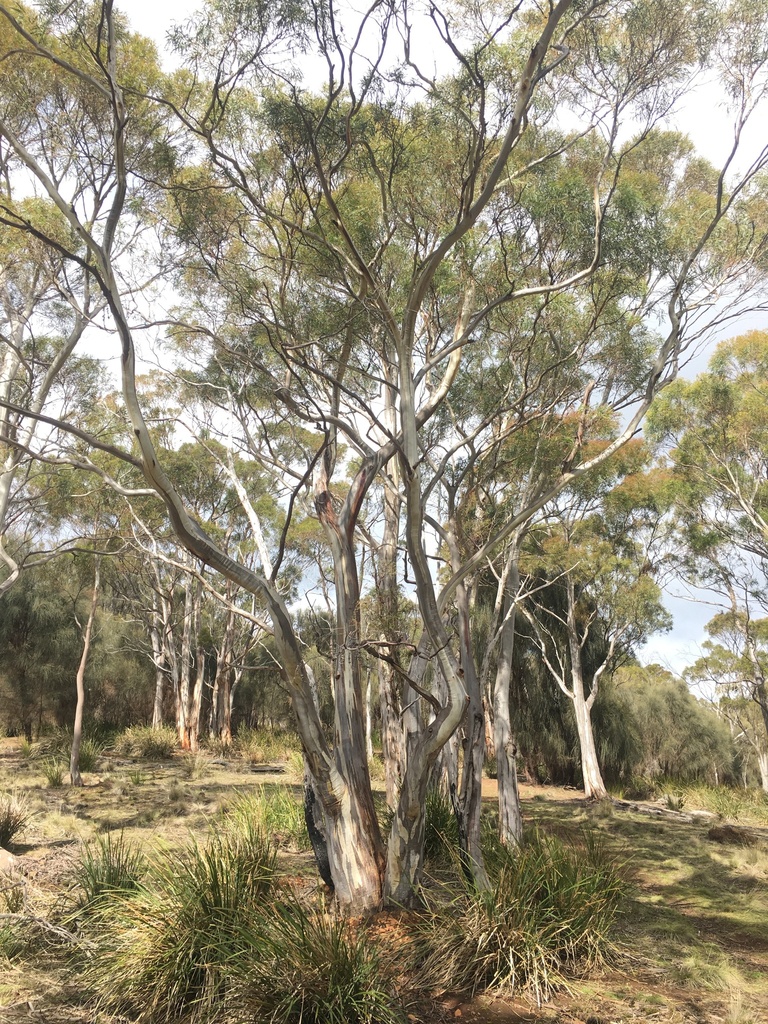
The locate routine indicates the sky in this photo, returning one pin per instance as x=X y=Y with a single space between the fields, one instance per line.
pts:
x=705 y=120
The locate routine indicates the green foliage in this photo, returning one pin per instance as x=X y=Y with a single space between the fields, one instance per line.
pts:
x=109 y=865
x=39 y=650
x=310 y=967
x=14 y=816
x=730 y=803
x=146 y=741
x=680 y=738
x=547 y=915
x=164 y=950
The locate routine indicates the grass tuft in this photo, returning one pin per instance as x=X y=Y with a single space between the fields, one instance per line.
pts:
x=275 y=812
x=53 y=772
x=144 y=741
x=110 y=864
x=304 y=967
x=261 y=746
x=706 y=968
x=194 y=765
x=164 y=951
x=441 y=833
x=14 y=816
x=547 y=915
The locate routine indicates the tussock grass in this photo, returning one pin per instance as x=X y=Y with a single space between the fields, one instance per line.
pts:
x=547 y=916
x=748 y=806
x=261 y=746
x=193 y=765
x=275 y=812
x=441 y=833
x=305 y=967
x=14 y=816
x=53 y=772
x=706 y=968
x=109 y=865
x=144 y=741
x=163 y=951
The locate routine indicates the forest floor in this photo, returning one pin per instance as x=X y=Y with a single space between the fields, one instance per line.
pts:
x=692 y=946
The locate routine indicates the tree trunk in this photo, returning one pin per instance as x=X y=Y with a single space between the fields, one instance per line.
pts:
x=77 y=732
x=504 y=745
x=392 y=726
x=391 y=731
x=762 y=761
x=445 y=774
x=221 y=698
x=156 y=638
x=468 y=800
x=355 y=849
x=594 y=787
x=368 y=715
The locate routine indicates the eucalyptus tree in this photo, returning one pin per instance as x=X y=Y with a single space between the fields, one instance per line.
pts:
x=49 y=299
x=715 y=429
x=732 y=670
x=600 y=547
x=369 y=234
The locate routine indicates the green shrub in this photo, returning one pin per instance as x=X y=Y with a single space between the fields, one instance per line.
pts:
x=547 y=915
x=14 y=816
x=302 y=967
x=109 y=864
x=164 y=951
x=145 y=741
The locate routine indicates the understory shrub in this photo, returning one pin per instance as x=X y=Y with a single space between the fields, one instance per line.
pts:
x=146 y=741
x=547 y=915
x=14 y=816
x=310 y=967
x=163 y=951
